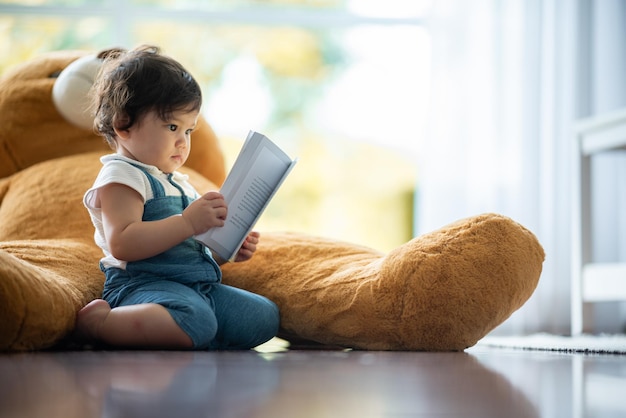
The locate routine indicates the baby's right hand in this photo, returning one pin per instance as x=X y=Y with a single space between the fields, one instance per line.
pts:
x=206 y=212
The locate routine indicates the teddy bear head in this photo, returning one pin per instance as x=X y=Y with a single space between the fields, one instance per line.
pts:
x=33 y=129
x=43 y=104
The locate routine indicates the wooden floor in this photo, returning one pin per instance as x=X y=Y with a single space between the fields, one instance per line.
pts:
x=479 y=382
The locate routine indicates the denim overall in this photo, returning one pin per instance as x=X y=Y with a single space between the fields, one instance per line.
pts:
x=186 y=280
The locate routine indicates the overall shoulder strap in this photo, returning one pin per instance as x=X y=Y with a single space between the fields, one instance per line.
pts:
x=155 y=184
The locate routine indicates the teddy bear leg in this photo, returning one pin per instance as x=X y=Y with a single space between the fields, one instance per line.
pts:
x=454 y=285
x=441 y=291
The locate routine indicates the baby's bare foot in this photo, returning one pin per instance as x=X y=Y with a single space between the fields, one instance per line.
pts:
x=90 y=318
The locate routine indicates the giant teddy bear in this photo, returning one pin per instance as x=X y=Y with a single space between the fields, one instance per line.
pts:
x=440 y=291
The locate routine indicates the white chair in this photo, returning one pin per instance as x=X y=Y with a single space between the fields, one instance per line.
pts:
x=592 y=282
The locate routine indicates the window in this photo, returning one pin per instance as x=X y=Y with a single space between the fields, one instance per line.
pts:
x=343 y=85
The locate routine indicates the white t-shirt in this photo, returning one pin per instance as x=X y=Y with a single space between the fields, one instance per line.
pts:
x=116 y=169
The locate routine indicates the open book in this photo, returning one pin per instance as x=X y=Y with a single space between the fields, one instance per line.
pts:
x=259 y=170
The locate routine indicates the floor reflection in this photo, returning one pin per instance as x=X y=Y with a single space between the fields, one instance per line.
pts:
x=599 y=387
x=564 y=385
x=309 y=383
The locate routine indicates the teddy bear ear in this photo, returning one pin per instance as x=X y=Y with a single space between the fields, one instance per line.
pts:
x=70 y=92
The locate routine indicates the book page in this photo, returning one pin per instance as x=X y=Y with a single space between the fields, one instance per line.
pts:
x=257 y=173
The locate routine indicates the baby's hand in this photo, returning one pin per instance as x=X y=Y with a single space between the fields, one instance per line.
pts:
x=248 y=247
x=206 y=212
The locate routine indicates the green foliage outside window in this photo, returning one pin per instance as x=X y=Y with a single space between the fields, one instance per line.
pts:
x=261 y=71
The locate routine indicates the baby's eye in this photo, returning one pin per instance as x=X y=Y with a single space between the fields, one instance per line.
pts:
x=172 y=127
x=188 y=131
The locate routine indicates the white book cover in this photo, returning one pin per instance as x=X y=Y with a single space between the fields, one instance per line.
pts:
x=258 y=172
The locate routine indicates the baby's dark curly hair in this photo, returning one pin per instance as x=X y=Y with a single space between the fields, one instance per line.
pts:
x=132 y=83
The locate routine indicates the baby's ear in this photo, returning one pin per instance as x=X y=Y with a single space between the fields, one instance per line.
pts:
x=121 y=126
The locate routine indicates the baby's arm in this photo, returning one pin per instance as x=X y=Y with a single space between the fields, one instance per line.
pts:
x=131 y=239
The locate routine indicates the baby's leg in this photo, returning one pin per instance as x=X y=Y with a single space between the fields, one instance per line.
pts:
x=245 y=319
x=144 y=325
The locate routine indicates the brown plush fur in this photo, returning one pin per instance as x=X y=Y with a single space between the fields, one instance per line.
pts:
x=441 y=291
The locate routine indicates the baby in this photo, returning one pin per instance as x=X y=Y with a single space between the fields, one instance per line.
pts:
x=163 y=289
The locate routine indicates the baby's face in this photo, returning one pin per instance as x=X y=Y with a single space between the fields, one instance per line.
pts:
x=164 y=144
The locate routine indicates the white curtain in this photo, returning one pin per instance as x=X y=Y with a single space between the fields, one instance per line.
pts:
x=509 y=79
